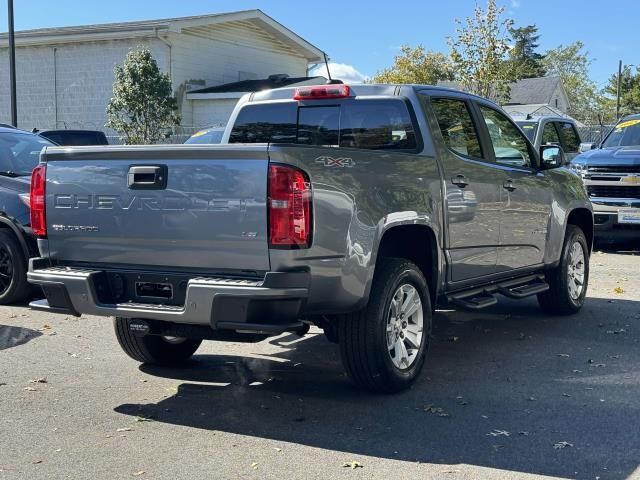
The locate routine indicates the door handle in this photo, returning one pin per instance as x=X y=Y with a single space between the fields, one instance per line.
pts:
x=147 y=177
x=508 y=185
x=460 y=181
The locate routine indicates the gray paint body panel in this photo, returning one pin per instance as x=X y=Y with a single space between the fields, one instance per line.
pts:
x=210 y=217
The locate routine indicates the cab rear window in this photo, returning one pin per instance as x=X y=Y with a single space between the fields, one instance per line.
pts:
x=383 y=124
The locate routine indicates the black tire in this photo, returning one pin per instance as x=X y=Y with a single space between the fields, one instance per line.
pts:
x=363 y=335
x=153 y=349
x=558 y=299
x=14 y=287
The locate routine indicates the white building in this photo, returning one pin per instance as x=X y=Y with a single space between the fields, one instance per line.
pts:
x=65 y=75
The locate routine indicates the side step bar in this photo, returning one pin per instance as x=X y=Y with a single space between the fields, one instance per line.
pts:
x=483 y=297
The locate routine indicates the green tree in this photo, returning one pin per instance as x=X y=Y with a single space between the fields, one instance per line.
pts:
x=143 y=107
x=416 y=65
x=571 y=63
x=629 y=92
x=478 y=52
x=524 y=61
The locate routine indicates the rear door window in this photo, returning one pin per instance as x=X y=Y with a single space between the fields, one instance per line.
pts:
x=570 y=138
x=366 y=124
x=550 y=134
x=377 y=125
x=456 y=126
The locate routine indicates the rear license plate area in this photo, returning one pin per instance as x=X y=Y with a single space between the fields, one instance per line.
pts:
x=154 y=290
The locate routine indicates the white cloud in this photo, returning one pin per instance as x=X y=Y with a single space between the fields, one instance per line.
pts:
x=342 y=71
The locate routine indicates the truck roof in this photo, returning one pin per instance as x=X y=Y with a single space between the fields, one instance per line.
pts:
x=368 y=89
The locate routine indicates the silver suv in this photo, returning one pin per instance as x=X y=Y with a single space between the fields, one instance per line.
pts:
x=550 y=130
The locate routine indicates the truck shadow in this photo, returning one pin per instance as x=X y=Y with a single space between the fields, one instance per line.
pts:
x=11 y=336
x=501 y=388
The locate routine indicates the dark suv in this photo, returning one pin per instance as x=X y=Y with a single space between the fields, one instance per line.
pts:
x=19 y=153
x=75 y=137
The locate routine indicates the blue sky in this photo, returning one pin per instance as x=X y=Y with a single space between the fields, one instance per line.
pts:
x=366 y=34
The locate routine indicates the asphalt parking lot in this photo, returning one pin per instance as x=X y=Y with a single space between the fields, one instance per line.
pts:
x=507 y=393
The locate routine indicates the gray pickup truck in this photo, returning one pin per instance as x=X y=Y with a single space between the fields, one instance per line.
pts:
x=357 y=209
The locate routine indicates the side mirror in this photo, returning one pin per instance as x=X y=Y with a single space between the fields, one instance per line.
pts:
x=551 y=156
x=585 y=147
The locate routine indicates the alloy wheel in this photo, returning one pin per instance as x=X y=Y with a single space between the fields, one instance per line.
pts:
x=405 y=326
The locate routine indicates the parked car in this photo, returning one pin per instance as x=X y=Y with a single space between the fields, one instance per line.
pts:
x=19 y=151
x=208 y=135
x=75 y=137
x=337 y=214
x=611 y=174
x=548 y=130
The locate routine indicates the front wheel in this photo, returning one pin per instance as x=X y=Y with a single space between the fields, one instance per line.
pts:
x=569 y=280
x=154 y=349
x=383 y=346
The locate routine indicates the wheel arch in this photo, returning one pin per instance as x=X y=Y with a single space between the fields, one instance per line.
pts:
x=417 y=243
x=583 y=218
x=7 y=224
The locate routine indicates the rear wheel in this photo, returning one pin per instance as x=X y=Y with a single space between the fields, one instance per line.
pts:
x=383 y=346
x=154 y=349
x=569 y=280
x=13 y=270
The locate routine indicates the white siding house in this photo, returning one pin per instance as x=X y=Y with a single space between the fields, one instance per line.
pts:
x=65 y=75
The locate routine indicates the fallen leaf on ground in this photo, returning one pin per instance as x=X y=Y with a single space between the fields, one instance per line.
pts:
x=619 y=290
x=36 y=462
x=137 y=474
x=352 y=465
x=277 y=449
x=499 y=433
x=30 y=389
x=125 y=429
x=46 y=326
x=435 y=410
x=563 y=355
x=561 y=445
x=140 y=418
x=38 y=380
x=254 y=465
x=453 y=339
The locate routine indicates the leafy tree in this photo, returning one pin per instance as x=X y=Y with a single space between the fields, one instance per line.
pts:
x=143 y=107
x=524 y=61
x=572 y=63
x=629 y=91
x=416 y=65
x=478 y=52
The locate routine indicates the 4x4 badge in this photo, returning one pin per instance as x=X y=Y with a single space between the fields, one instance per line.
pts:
x=336 y=162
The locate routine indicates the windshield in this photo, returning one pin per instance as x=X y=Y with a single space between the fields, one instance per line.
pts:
x=206 y=136
x=20 y=152
x=529 y=129
x=625 y=134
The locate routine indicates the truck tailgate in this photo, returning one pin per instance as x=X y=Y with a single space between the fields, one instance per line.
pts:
x=199 y=208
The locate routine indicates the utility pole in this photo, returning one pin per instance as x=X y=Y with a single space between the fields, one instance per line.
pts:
x=12 y=67
x=618 y=90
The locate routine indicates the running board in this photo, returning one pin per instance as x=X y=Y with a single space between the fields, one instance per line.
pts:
x=483 y=297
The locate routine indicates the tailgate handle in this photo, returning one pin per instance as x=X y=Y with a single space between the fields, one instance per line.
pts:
x=147 y=177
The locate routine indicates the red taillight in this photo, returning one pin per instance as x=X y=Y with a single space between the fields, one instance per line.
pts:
x=37 y=201
x=289 y=208
x=320 y=92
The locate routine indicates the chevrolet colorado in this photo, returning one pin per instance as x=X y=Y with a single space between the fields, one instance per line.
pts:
x=358 y=209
